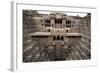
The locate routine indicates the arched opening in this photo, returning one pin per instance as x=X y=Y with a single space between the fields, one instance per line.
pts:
x=48 y=30
x=62 y=38
x=54 y=38
x=58 y=37
x=67 y=31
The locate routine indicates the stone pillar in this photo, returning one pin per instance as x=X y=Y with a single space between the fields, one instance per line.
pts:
x=52 y=22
